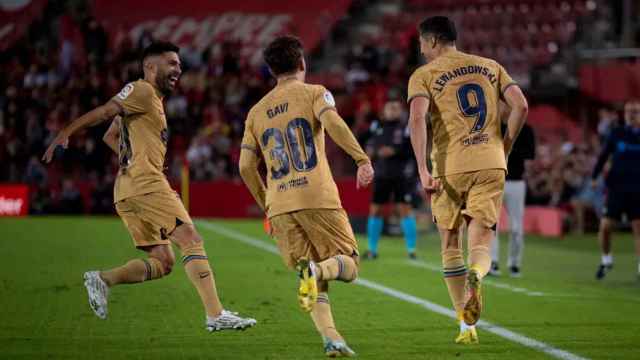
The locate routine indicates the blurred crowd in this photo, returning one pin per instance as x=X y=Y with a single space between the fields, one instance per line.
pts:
x=69 y=64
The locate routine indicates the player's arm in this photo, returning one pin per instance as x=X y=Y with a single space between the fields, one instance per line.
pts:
x=343 y=137
x=112 y=136
x=92 y=118
x=519 y=108
x=418 y=109
x=249 y=161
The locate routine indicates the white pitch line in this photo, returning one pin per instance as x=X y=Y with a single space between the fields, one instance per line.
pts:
x=492 y=283
x=433 y=307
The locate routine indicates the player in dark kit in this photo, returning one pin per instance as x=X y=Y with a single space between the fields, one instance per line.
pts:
x=623 y=194
x=389 y=147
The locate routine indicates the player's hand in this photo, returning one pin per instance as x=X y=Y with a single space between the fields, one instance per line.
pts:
x=385 y=152
x=61 y=139
x=429 y=184
x=364 y=176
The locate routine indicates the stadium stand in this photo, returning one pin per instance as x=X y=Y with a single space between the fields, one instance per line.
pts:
x=72 y=58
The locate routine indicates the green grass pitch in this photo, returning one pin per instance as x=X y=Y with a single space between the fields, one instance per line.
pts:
x=44 y=312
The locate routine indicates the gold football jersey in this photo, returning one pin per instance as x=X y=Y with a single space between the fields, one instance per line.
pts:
x=284 y=126
x=464 y=92
x=143 y=141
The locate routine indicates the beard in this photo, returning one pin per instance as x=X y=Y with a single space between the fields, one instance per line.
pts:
x=165 y=84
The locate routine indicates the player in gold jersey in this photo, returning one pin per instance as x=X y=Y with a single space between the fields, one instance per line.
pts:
x=149 y=208
x=286 y=128
x=460 y=94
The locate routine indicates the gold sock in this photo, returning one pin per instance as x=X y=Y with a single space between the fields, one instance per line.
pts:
x=339 y=267
x=455 y=277
x=134 y=271
x=480 y=260
x=196 y=265
x=323 y=319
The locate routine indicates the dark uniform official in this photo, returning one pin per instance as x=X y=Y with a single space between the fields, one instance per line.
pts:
x=389 y=147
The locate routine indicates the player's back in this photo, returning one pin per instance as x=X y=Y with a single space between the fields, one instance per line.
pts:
x=464 y=91
x=286 y=127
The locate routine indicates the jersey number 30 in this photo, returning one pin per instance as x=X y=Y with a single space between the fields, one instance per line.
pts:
x=477 y=111
x=301 y=153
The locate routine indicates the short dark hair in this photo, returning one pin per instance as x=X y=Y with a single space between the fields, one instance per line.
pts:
x=441 y=27
x=283 y=54
x=158 y=48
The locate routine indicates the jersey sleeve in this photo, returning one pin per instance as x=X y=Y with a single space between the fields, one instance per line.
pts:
x=504 y=80
x=322 y=101
x=343 y=137
x=135 y=98
x=418 y=86
x=249 y=141
x=248 y=165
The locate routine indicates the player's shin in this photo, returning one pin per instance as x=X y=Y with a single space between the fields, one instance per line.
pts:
x=455 y=272
x=480 y=238
x=321 y=314
x=196 y=265
x=339 y=267
x=479 y=259
x=134 y=271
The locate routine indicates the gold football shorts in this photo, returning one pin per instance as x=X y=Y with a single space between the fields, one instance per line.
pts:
x=150 y=218
x=314 y=234
x=476 y=194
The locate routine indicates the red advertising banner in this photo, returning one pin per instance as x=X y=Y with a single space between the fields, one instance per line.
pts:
x=231 y=199
x=15 y=18
x=14 y=200
x=200 y=24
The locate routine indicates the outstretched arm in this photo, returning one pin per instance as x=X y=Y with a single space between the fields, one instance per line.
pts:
x=112 y=136
x=92 y=118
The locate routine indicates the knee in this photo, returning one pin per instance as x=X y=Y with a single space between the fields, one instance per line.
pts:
x=349 y=276
x=167 y=264
x=605 y=226
x=353 y=275
x=348 y=268
x=404 y=210
x=166 y=260
x=187 y=238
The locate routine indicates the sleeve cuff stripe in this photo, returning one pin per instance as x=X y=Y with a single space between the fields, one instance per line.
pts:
x=248 y=147
x=425 y=95
x=508 y=85
x=325 y=109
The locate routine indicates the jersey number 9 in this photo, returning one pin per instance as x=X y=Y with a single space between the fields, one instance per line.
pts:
x=301 y=149
x=478 y=111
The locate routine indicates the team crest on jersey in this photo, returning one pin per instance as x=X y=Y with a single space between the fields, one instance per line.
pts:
x=328 y=98
x=125 y=92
